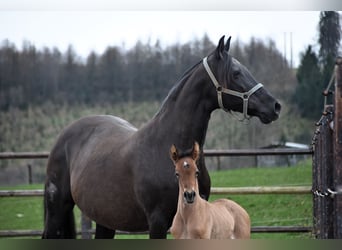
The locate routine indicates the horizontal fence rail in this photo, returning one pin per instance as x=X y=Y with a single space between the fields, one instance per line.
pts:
x=262 y=190
x=22 y=193
x=253 y=152
x=23 y=155
x=214 y=190
x=207 y=152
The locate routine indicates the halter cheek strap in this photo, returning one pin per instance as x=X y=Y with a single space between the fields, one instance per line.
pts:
x=219 y=89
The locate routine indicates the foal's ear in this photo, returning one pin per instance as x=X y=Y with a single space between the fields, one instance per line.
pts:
x=195 y=151
x=220 y=48
x=173 y=153
x=227 y=46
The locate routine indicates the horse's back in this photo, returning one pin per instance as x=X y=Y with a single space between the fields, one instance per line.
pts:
x=99 y=126
x=242 y=224
x=85 y=132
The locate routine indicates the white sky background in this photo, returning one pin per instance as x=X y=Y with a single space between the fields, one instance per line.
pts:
x=96 y=24
x=96 y=30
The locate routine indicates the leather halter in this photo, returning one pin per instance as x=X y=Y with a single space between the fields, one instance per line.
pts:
x=219 y=89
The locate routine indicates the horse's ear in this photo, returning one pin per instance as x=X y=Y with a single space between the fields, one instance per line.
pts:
x=227 y=46
x=195 y=151
x=173 y=153
x=220 y=48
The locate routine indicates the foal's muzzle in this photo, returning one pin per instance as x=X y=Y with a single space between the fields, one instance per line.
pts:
x=189 y=197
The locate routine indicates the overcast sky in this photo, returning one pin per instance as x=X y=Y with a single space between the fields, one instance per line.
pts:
x=95 y=30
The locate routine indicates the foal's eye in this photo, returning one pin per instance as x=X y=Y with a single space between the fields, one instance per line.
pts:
x=177 y=175
x=197 y=173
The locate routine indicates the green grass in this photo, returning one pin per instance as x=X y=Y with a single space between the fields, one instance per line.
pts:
x=265 y=210
x=271 y=210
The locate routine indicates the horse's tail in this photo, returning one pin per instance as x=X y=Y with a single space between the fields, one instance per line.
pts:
x=59 y=219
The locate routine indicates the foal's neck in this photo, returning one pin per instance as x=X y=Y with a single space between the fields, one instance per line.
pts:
x=189 y=211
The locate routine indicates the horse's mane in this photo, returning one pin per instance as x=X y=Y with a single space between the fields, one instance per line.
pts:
x=174 y=92
x=178 y=86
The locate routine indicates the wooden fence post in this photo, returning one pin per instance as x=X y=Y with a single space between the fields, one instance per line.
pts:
x=338 y=151
x=322 y=177
x=29 y=172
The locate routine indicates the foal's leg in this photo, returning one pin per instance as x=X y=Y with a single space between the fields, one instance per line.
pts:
x=102 y=232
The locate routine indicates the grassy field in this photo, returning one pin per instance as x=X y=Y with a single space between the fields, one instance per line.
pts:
x=265 y=210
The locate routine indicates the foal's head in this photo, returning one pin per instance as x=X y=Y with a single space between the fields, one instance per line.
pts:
x=186 y=171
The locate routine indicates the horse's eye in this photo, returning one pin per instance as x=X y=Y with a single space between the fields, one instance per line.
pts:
x=236 y=74
x=197 y=173
x=176 y=174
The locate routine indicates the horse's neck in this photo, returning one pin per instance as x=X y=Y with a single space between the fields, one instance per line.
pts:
x=185 y=113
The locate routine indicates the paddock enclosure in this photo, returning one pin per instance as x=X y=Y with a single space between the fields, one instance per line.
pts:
x=87 y=231
x=326 y=189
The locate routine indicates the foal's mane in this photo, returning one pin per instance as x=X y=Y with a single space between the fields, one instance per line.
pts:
x=184 y=153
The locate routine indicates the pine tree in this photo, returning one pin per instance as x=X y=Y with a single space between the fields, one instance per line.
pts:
x=308 y=94
x=315 y=71
x=329 y=41
x=329 y=35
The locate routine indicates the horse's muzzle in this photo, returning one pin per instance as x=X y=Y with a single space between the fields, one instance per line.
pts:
x=189 y=197
x=277 y=108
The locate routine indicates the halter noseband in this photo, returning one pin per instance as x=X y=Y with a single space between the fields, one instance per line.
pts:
x=244 y=96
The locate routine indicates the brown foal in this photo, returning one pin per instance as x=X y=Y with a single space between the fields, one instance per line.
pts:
x=196 y=218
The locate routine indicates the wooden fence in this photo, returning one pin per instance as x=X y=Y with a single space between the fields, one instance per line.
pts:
x=207 y=153
x=327 y=164
x=86 y=233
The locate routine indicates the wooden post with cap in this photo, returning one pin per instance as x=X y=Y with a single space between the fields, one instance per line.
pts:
x=337 y=137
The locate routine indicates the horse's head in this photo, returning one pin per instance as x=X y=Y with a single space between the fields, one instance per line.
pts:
x=236 y=88
x=186 y=171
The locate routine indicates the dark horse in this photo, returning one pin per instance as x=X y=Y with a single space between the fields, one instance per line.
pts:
x=122 y=177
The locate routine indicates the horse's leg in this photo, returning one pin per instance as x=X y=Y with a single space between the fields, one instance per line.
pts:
x=59 y=219
x=158 y=225
x=204 y=183
x=59 y=216
x=102 y=232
